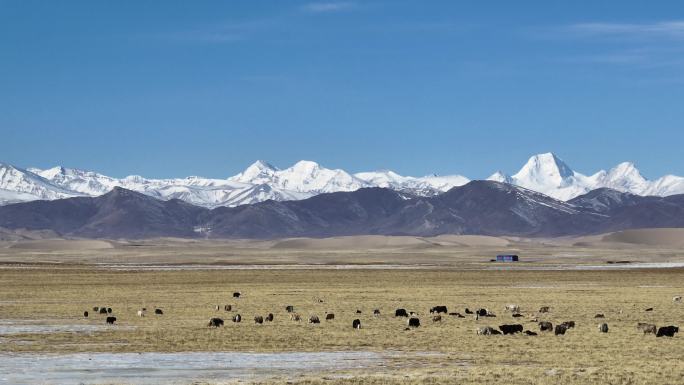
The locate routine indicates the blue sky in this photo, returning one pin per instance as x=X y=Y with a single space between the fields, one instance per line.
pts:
x=176 y=88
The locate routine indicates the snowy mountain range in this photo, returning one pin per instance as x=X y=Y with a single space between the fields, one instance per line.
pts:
x=544 y=173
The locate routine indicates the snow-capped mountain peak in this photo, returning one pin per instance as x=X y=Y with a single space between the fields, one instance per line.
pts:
x=258 y=172
x=499 y=176
x=626 y=171
x=544 y=168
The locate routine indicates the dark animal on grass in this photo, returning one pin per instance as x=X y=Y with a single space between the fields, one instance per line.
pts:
x=401 y=313
x=158 y=311
x=437 y=318
x=481 y=312
x=356 y=324
x=530 y=333
x=215 y=322
x=111 y=320
x=511 y=329
x=649 y=309
x=109 y=310
x=544 y=309
x=269 y=317
x=358 y=311
x=237 y=318
x=560 y=329
x=228 y=307
x=96 y=309
x=457 y=315
x=314 y=319
x=85 y=314
x=647 y=328
x=603 y=328
x=516 y=315
x=667 y=331
x=468 y=311
x=545 y=326
x=289 y=309
x=329 y=316
x=439 y=309
x=376 y=312
x=103 y=310
x=258 y=319
x=599 y=316
x=487 y=331
x=236 y=294
x=569 y=324
x=413 y=322
x=295 y=317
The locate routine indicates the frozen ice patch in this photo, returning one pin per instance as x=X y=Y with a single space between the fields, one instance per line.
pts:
x=173 y=368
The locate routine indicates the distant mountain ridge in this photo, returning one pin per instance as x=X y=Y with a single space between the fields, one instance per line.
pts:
x=545 y=173
x=478 y=208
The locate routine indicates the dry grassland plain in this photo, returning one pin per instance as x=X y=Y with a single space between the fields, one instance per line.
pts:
x=437 y=352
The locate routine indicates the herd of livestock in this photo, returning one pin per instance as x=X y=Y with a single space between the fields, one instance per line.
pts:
x=413 y=321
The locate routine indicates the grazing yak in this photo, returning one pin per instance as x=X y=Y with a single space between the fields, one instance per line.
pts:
x=516 y=315
x=569 y=324
x=667 y=331
x=401 y=313
x=560 y=329
x=217 y=308
x=599 y=316
x=439 y=309
x=295 y=317
x=468 y=311
x=85 y=314
x=314 y=319
x=358 y=311
x=329 y=317
x=457 y=315
x=545 y=326
x=96 y=309
x=237 y=294
x=376 y=312
x=356 y=324
x=228 y=307
x=258 y=319
x=110 y=320
x=103 y=310
x=158 y=311
x=544 y=309
x=141 y=313
x=677 y=298
x=289 y=309
x=649 y=309
x=269 y=317
x=646 y=328
x=530 y=333
x=109 y=310
x=413 y=322
x=487 y=331
x=215 y=322
x=437 y=318
x=511 y=329
x=484 y=313
x=237 y=318
x=603 y=328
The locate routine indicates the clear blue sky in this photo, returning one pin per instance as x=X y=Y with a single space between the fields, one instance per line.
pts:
x=176 y=88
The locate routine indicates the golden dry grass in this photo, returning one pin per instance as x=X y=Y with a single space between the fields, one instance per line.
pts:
x=188 y=297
